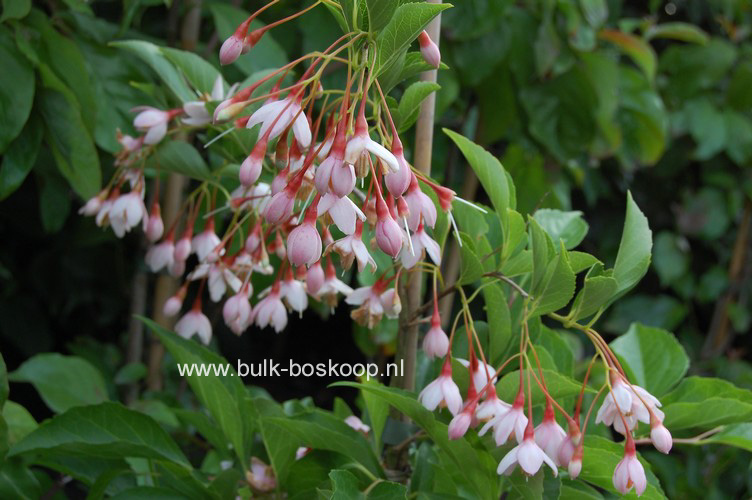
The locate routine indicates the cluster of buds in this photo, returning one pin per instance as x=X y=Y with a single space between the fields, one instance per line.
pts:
x=624 y=406
x=326 y=184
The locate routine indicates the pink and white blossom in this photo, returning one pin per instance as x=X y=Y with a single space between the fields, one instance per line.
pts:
x=629 y=472
x=343 y=211
x=153 y=122
x=528 y=455
x=429 y=50
x=237 y=311
x=160 y=256
x=512 y=421
x=194 y=322
x=357 y=424
x=420 y=205
x=278 y=115
x=270 y=311
x=442 y=392
x=351 y=248
x=422 y=245
x=304 y=242
x=205 y=242
x=126 y=212
x=549 y=435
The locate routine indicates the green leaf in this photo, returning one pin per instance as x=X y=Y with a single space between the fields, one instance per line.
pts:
x=652 y=357
x=700 y=402
x=596 y=292
x=405 y=25
x=671 y=259
x=20 y=157
x=344 y=485
x=15 y=9
x=153 y=56
x=543 y=252
x=491 y=175
x=222 y=396
x=601 y=456
x=4 y=389
x=478 y=466
x=132 y=372
x=180 y=157
x=409 y=105
x=107 y=430
x=739 y=435
x=380 y=12
x=70 y=142
x=19 y=482
x=581 y=261
x=595 y=12
x=641 y=53
x=378 y=411
x=570 y=227
x=16 y=92
x=633 y=257
x=684 y=32
x=199 y=73
x=499 y=320
x=62 y=381
x=471 y=268
x=558 y=286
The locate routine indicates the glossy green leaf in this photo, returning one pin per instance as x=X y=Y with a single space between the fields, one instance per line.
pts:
x=641 y=53
x=199 y=73
x=15 y=9
x=558 y=386
x=180 y=157
x=16 y=92
x=499 y=320
x=633 y=258
x=543 y=253
x=703 y=403
x=684 y=32
x=652 y=357
x=62 y=381
x=471 y=268
x=380 y=12
x=738 y=435
x=405 y=25
x=378 y=411
x=222 y=396
x=106 y=430
x=596 y=292
x=557 y=288
x=570 y=227
x=18 y=481
x=409 y=105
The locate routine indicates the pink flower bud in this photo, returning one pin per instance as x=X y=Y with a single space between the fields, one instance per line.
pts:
x=315 y=278
x=183 y=248
x=154 y=226
x=660 y=436
x=304 y=244
x=230 y=50
x=575 y=464
x=398 y=182
x=93 y=205
x=250 y=169
x=280 y=206
x=429 y=50
x=172 y=306
x=342 y=179
x=459 y=424
x=388 y=232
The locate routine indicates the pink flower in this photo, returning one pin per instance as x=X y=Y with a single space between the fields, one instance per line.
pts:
x=332 y=286
x=491 y=408
x=369 y=299
x=194 y=323
x=183 y=247
x=250 y=169
x=442 y=392
x=630 y=401
x=126 y=212
x=315 y=278
x=420 y=205
x=357 y=424
x=231 y=49
x=504 y=424
x=422 y=244
x=629 y=472
x=280 y=206
x=436 y=342
x=429 y=50
x=154 y=226
x=270 y=311
x=390 y=300
x=398 y=182
x=279 y=115
x=160 y=256
x=93 y=205
x=294 y=293
x=480 y=373
x=219 y=276
x=173 y=304
x=205 y=242
x=569 y=446
x=197 y=115
x=237 y=312
x=351 y=248
x=261 y=476
x=304 y=242
x=660 y=436
x=461 y=423
x=388 y=232
x=361 y=144
x=343 y=211
x=575 y=464
x=528 y=454
x=549 y=435
x=153 y=121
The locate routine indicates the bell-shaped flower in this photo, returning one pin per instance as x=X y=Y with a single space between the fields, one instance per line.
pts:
x=357 y=424
x=528 y=455
x=398 y=182
x=294 y=293
x=250 y=169
x=304 y=242
x=461 y=423
x=154 y=225
x=314 y=278
x=660 y=436
x=505 y=424
x=332 y=286
x=549 y=435
x=629 y=472
x=351 y=248
x=205 y=242
x=278 y=115
x=420 y=205
x=480 y=373
x=93 y=205
x=422 y=245
x=196 y=114
x=237 y=311
x=234 y=45
x=343 y=212
x=370 y=309
x=126 y=212
x=442 y=392
x=388 y=232
x=631 y=402
x=361 y=144
x=281 y=204
x=153 y=122
x=270 y=311
x=390 y=300
x=436 y=342
x=194 y=322
x=261 y=476
x=491 y=407
x=160 y=256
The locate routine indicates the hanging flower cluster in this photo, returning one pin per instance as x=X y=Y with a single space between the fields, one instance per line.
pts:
x=334 y=167
x=624 y=407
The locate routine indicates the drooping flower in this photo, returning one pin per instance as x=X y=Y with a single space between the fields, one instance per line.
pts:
x=420 y=206
x=398 y=182
x=154 y=225
x=660 y=436
x=279 y=115
x=360 y=144
x=351 y=248
x=629 y=472
x=294 y=293
x=629 y=401
x=436 y=342
x=528 y=455
x=237 y=311
x=126 y=212
x=549 y=435
x=160 y=256
x=388 y=232
x=314 y=278
x=422 y=244
x=153 y=121
x=205 y=242
x=442 y=392
x=492 y=407
x=343 y=212
x=194 y=322
x=234 y=45
x=357 y=424
x=304 y=242
x=390 y=300
x=332 y=286
x=514 y=420
x=261 y=476
x=369 y=299
x=461 y=423
x=270 y=311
